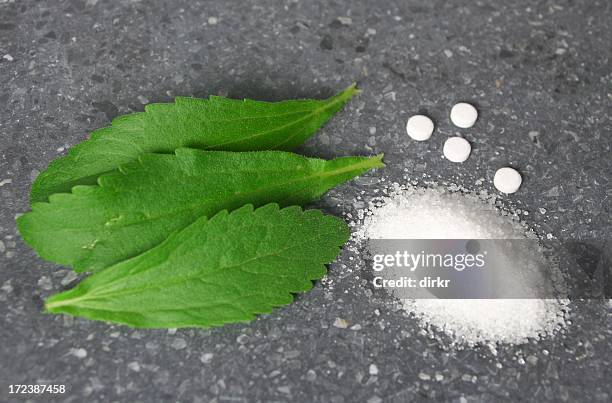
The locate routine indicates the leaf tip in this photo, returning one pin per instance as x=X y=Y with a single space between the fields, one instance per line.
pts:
x=349 y=92
x=376 y=161
x=355 y=90
x=379 y=159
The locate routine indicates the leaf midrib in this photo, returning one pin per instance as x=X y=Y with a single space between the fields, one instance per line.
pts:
x=319 y=175
x=199 y=274
x=193 y=207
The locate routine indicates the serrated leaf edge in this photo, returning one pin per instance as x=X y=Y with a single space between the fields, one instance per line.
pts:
x=63 y=306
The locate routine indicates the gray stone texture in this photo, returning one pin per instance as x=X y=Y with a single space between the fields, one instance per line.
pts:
x=539 y=72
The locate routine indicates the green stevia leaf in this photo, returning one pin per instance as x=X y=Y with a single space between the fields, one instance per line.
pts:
x=223 y=270
x=138 y=206
x=216 y=123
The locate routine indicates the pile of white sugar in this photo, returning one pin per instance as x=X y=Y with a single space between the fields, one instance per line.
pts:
x=407 y=212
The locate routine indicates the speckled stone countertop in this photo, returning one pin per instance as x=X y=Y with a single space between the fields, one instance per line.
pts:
x=539 y=72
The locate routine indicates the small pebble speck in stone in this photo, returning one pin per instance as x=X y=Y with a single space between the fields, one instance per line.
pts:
x=507 y=180
x=206 y=358
x=373 y=370
x=463 y=115
x=341 y=323
x=78 y=352
x=419 y=127
x=457 y=149
x=134 y=366
x=179 y=343
x=311 y=375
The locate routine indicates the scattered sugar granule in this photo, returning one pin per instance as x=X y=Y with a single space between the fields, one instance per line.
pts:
x=507 y=180
x=419 y=127
x=340 y=323
x=463 y=115
x=456 y=149
x=438 y=213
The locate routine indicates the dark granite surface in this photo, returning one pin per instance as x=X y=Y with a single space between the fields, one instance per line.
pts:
x=539 y=72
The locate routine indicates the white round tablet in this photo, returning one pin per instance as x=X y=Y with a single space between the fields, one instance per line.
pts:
x=457 y=149
x=463 y=115
x=419 y=127
x=507 y=180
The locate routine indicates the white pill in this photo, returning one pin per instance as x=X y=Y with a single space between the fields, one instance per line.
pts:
x=463 y=115
x=457 y=149
x=419 y=127
x=507 y=180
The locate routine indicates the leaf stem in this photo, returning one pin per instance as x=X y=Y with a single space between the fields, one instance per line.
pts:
x=50 y=305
